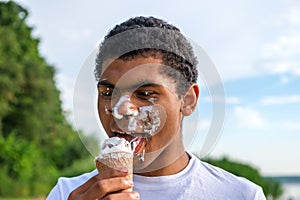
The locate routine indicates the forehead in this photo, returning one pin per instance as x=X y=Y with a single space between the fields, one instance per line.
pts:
x=122 y=65
x=136 y=71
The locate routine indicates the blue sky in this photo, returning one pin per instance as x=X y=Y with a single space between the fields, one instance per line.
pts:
x=255 y=45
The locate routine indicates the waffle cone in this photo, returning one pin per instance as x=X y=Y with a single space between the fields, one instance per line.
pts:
x=116 y=160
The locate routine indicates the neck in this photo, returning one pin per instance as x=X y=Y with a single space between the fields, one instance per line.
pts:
x=175 y=167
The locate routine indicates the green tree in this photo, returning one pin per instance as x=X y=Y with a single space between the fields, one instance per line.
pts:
x=37 y=143
x=272 y=189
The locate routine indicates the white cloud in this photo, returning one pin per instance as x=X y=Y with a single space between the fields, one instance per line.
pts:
x=227 y=100
x=66 y=86
x=248 y=117
x=285 y=46
x=292 y=16
x=76 y=36
x=233 y=100
x=284 y=80
x=291 y=126
x=281 y=56
x=279 y=100
x=282 y=67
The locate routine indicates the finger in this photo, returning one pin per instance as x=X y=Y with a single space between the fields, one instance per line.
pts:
x=107 y=186
x=123 y=195
x=109 y=173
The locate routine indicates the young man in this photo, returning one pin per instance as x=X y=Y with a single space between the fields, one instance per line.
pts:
x=147 y=66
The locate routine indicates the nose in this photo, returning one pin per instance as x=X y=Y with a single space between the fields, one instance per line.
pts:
x=124 y=107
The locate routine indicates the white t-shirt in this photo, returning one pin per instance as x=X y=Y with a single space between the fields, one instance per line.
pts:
x=199 y=180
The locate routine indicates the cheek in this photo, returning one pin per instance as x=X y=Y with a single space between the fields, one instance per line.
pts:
x=173 y=122
x=100 y=111
x=169 y=131
x=104 y=118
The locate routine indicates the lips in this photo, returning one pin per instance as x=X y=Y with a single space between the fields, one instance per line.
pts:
x=138 y=141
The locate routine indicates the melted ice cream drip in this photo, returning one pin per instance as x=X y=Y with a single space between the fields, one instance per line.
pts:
x=142 y=156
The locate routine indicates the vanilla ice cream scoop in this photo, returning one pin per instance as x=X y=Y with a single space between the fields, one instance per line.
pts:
x=115 y=144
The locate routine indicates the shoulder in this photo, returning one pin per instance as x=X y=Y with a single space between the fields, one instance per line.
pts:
x=226 y=182
x=222 y=175
x=77 y=180
x=66 y=185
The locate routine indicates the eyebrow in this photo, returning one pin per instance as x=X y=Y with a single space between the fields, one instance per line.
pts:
x=147 y=85
x=105 y=83
x=140 y=84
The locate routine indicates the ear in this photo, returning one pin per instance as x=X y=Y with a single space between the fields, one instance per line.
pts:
x=190 y=99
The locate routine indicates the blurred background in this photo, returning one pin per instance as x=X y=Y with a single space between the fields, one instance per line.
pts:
x=255 y=45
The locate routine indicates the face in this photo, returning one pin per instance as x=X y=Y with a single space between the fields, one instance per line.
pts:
x=132 y=86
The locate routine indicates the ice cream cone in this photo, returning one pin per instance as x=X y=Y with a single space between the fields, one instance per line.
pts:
x=115 y=156
x=115 y=160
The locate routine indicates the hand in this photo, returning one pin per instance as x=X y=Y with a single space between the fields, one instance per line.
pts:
x=106 y=185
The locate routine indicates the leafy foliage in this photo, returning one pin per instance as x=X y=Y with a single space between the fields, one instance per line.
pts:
x=272 y=189
x=37 y=143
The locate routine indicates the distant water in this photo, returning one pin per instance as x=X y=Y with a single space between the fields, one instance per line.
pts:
x=291 y=186
x=291 y=191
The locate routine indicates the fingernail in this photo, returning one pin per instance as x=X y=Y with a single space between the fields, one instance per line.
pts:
x=136 y=195
x=129 y=182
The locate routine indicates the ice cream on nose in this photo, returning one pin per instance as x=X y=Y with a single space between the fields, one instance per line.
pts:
x=124 y=108
x=143 y=120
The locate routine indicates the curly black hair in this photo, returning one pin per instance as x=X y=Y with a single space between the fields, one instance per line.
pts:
x=151 y=37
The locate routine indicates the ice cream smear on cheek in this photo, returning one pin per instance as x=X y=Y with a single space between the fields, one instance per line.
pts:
x=142 y=121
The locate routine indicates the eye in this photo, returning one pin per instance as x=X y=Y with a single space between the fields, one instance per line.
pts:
x=146 y=94
x=106 y=93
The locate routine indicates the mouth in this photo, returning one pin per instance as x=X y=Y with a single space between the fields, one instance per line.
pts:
x=136 y=139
